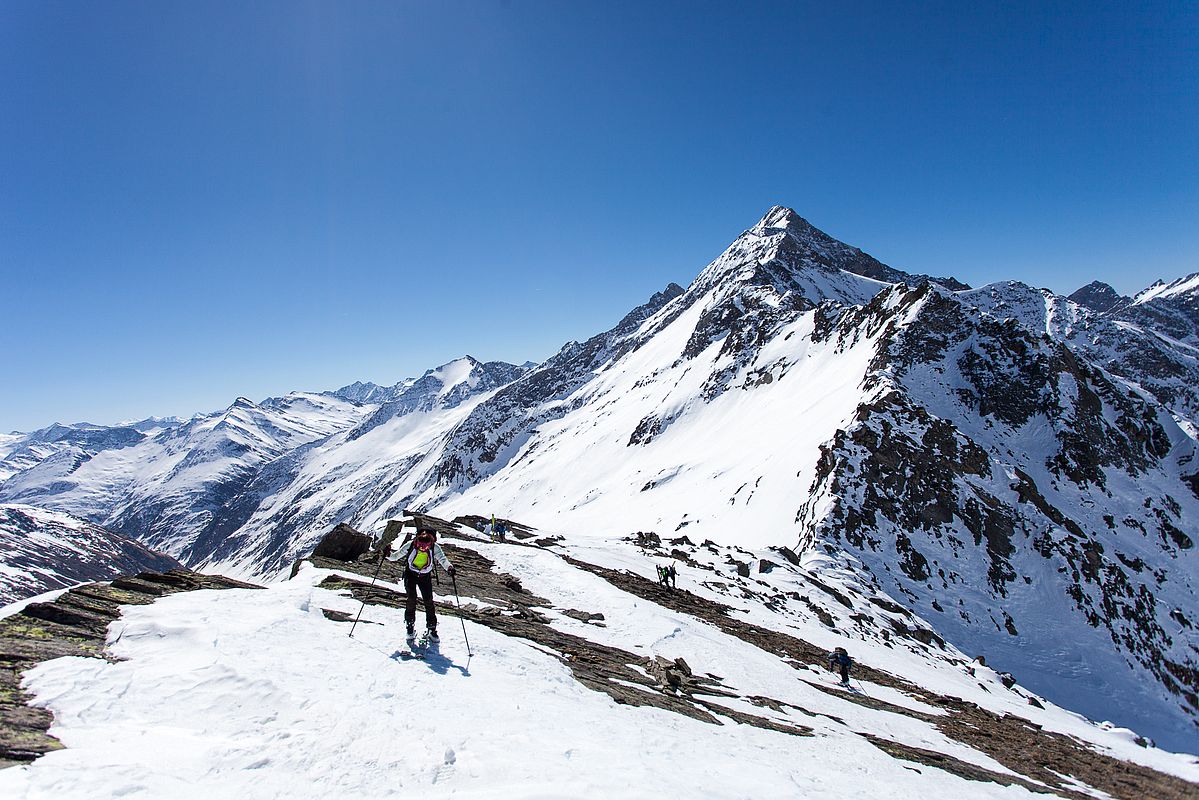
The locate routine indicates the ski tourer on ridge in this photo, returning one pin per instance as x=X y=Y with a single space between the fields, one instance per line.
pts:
x=419 y=555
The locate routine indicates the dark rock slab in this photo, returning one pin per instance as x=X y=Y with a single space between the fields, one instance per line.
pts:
x=343 y=543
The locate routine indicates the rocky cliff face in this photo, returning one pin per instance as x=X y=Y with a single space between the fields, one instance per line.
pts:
x=1023 y=500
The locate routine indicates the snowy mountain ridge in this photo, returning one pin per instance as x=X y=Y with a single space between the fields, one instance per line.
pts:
x=1014 y=468
x=45 y=550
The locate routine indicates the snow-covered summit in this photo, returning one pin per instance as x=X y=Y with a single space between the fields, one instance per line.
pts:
x=1171 y=308
x=366 y=392
x=446 y=386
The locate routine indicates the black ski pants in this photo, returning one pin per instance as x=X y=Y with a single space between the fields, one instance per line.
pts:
x=413 y=581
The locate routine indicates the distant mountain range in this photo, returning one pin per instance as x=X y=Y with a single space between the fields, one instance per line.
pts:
x=1016 y=468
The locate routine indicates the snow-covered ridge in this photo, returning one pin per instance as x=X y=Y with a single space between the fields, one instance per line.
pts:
x=602 y=682
x=1161 y=290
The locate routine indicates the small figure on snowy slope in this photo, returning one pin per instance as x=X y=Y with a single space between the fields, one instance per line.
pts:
x=839 y=658
x=419 y=555
x=672 y=575
x=663 y=575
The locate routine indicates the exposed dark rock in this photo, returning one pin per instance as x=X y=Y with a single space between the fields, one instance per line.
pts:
x=343 y=543
x=1037 y=755
x=1099 y=296
x=646 y=430
x=954 y=766
x=787 y=553
x=925 y=635
x=647 y=540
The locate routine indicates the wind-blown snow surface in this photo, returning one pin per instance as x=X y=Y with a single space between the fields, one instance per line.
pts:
x=255 y=694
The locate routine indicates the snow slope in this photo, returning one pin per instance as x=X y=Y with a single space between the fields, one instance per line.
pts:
x=170 y=484
x=257 y=694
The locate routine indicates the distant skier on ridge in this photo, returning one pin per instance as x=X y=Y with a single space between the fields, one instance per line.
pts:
x=839 y=658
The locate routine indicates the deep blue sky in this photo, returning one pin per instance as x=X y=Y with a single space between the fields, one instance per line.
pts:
x=206 y=200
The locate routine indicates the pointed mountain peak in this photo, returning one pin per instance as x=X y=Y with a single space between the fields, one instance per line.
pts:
x=1098 y=296
x=1096 y=286
x=783 y=217
x=783 y=248
x=1150 y=291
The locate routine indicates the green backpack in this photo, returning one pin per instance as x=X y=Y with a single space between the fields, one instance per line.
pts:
x=420 y=558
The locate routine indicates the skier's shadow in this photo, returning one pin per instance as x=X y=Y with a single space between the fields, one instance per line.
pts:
x=435 y=661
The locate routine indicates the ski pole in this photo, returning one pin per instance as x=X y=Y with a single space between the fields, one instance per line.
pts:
x=458 y=603
x=382 y=550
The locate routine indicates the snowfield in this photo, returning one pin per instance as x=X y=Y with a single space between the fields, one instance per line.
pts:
x=256 y=694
